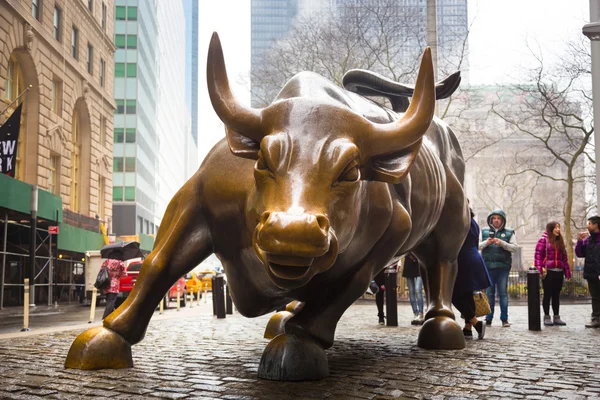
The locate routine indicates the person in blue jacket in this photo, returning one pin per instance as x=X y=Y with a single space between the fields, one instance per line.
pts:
x=472 y=276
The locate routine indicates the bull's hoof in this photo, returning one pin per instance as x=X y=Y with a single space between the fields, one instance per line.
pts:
x=441 y=333
x=99 y=348
x=276 y=324
x=289 y=357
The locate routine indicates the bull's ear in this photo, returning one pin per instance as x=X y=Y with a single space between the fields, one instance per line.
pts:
x=391 y=168
x=241 y=145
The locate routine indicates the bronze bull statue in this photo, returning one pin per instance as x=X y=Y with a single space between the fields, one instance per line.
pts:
x=307 y=200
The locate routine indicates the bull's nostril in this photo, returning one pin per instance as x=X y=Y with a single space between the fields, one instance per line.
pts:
x=264 y=217
x=323 y=222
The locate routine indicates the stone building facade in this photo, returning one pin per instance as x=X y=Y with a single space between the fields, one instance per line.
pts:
x=63 y=51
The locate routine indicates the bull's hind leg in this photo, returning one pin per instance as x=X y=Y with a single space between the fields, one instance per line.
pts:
x=183 y=241
x=439 y=253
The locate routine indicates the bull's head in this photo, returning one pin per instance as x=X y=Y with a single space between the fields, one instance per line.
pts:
x=312 y=158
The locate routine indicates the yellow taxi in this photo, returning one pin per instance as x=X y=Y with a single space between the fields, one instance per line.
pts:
x=199 y=281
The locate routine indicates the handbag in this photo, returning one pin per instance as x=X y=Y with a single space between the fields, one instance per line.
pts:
x=373 y=288
x=102 y=279
x=482 y=306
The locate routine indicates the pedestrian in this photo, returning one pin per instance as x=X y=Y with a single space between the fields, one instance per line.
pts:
x=116 y=270
x=497 y=245
x=552 y=262
x=472 y=276
x=588 y=246
x=412 y=273
x=380 y=281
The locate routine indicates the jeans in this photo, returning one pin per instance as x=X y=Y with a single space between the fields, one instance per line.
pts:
x=500 y=279
x=415 y=293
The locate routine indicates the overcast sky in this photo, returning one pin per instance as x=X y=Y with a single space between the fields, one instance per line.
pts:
x=500 y=34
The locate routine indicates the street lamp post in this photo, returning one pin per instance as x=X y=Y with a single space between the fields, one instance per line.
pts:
x=592 y=31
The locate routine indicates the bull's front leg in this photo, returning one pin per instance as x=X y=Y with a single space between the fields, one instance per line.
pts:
x=183 y=241
x=439 y=253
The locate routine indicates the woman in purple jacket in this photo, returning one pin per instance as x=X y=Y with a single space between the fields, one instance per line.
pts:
x=553 y=264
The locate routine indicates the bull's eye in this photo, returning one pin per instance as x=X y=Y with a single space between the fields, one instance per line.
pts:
x=351 y=173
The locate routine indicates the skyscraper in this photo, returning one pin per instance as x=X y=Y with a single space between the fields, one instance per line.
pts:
x=190 y=8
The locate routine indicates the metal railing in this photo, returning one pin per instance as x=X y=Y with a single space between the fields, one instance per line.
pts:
x=575 y=289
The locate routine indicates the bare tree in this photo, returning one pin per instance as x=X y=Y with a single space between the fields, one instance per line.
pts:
x=557 y=129
x=378 y=35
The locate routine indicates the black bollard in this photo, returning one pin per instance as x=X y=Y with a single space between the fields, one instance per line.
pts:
x=228 y=302
x=391 y=299
x=533 y=299
x=218 y=294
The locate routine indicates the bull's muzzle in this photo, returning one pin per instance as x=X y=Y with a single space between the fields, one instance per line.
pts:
x=294 y=247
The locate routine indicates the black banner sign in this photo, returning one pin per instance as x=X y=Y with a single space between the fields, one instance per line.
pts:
x=9 y=140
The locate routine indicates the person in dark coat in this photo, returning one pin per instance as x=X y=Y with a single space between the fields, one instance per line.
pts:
x=472 y=276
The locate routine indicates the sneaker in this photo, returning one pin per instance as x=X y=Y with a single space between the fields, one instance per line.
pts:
x=505 y=324
x=480 y=328
x=382 y=320
x=548 y=320
x=488 y=321
x=594 y=323
x=416 y=321
x=558 y=321
x=468 y=333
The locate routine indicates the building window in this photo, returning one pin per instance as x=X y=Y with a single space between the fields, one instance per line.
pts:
x=74 y=43
x=120 y=13
x=129 y=193
x=132 y=41
x=120 y=106
x=103 y=23
x=57 y=15
x=53 y=176
x=129 y=164
x=90 y=59
x=119 y=70
x=131 y=70
x=117 y=193
x=132 y=13
x=91 y=5
x=36 y=10
x=102 y=138
x=120 y=41
x=119 y=134
x=11 y=80
x=118 y=164
x=101 y=199
x=75 y=162
x=102 y=72
x=130 y=135
x=130 y=107
x=56 y=103
x=13 y=87
x=147 y=226
x=140 y=224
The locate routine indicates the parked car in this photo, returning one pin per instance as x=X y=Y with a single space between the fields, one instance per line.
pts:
x=133 y=269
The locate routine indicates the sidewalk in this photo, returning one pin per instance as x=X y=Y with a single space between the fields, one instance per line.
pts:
x=192 y=355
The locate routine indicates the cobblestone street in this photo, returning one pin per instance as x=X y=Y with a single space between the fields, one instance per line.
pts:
x=192 y=355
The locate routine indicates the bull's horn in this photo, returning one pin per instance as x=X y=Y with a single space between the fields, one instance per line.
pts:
x=388 y=138
x=242 y=119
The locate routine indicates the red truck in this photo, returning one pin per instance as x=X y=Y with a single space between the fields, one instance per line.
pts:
x=132 y=269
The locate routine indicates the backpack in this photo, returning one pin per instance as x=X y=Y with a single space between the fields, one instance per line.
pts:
x=103 y=278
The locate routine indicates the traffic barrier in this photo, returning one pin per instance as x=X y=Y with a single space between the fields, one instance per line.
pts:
x=533 y=299
x=93 y=305
x=218 y=296
x=178 y=297
x=229 y=303
x=192 y=298
x=391 y=299
x=25 y=306
x=162 y=306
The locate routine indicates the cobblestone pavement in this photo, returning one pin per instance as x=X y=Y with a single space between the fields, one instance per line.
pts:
x=191 y=355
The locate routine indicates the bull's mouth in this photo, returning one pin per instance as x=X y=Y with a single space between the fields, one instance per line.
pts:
x=288 y=267
x=291 y=272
